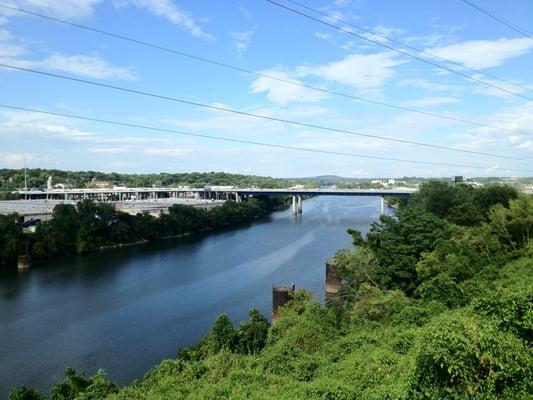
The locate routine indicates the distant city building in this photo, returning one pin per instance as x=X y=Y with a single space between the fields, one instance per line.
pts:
x=94 y=183
x=219 y=187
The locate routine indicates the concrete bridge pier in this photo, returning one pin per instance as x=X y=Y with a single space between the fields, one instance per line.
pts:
x=296 y=205
x=382 y=205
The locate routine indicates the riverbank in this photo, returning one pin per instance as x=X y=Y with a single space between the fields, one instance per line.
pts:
x=125 y=310
x=92 y=227
x=445 y=328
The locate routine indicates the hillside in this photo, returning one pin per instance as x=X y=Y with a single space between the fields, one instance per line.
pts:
x=435 y=303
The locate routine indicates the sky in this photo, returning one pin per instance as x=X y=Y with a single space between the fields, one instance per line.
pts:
x=259 y=36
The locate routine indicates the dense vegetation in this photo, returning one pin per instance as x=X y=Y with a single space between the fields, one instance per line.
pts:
x=90 y=226
x=13 y=179
x=435 y=303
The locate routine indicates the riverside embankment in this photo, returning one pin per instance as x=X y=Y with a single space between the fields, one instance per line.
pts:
x=126 y=309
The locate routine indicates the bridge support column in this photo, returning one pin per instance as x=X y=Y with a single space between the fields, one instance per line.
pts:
x=382 y=205
x=237 y=197
x=280 y=297
x=294 y=206
x=299 y=204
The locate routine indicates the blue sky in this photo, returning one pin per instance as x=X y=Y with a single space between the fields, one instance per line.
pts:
x=259 y=36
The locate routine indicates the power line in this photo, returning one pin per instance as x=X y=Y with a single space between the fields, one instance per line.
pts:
x=434 y=64
x=462 y=66
x=500 y=20
x=260 y=116
x=263 y=75
x=273 y=145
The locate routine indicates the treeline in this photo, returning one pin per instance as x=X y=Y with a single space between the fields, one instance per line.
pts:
x=89 y=226
x=13 y=179
x=435 y=303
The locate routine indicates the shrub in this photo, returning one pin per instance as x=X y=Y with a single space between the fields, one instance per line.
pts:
x=377 y=305
x=442 y=288
x=511 y=311
x=463 y=357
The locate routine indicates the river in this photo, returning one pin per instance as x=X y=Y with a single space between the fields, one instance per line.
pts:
x=125 y=310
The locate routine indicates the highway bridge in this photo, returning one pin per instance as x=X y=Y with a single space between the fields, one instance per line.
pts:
x=122 y=196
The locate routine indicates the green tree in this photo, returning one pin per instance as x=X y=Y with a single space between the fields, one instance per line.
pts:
x=70 y=387
x=251 y=336
x=11 y=238
x=399 y=243
x=223 y=334
x=23 y=393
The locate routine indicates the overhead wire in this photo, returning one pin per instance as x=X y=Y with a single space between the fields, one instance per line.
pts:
x=514 y=27
x=405 y=53
x=265 y=75
x=254 y=115
x=257 y=143
x=401 y=43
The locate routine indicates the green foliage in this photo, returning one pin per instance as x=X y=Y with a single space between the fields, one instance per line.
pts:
x=251 y=336
x=12 y=179
x=76 y=387
x=89 y=226
x=461 y=204
x=435 y=304
x=514 y=225
x=11 y=238
x=399 y=243
x=374 y=304
x=23 y=393
x=442 y=288
x=512 y=310
x=461 y=356
x=222 y=335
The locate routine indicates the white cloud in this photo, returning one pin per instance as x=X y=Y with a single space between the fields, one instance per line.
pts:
x=17 y=159
x=494 y=91
x=83 y=8
x=482 y=54
x=282 y=93
x=11 y=50
x=321 y=35
x=364 y=72
x=518 y=118
x=382 y=33
x=166 y=152
x=5 y=35
x=108 y=150
x=60 y=8
x=431 y=101
x=91 y=66
x=243 y=39
x=167 y=9
x=429 y=85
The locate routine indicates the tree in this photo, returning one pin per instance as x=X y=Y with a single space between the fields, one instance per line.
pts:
x=11 y=238
x=513 y=226
x=399 y=243
x=251 y=336
x=70 y=387
x=223 y=334
x=463 y=357
x=23 y=393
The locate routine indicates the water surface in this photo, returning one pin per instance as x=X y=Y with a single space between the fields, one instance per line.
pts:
x=125 y=310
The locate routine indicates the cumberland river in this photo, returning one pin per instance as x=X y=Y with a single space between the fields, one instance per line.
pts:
x=125 y=310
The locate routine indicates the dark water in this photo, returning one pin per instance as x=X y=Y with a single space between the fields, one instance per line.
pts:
x=126 y=310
